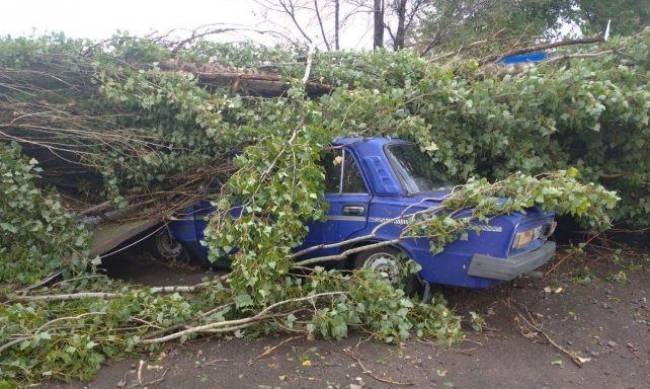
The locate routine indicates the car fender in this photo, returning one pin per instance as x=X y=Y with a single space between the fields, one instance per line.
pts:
x=402 y=246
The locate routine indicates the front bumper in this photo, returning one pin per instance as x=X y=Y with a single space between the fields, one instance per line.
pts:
x=506 y=269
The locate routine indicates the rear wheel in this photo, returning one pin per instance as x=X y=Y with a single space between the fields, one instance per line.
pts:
x=390 y=263
x=164 y=246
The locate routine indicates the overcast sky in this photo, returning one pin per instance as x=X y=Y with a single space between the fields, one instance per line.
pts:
x=98 y=19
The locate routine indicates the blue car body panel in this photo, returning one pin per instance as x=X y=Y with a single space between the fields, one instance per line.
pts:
x=386 y=199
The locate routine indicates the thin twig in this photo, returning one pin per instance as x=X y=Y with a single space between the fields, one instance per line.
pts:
x=372 y=374
x=152 y=382
x=271 y=349
x=574 y=356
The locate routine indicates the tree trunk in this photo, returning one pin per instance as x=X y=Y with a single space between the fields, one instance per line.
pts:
x=400 y=34
x=378 y=36
x=262 y=84
x=337 y=14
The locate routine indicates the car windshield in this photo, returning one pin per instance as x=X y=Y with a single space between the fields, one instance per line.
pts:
x=415 y=169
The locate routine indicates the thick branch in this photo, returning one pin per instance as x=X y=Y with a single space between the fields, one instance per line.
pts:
x=107 y=295
x=252 y=84
x=320 y=24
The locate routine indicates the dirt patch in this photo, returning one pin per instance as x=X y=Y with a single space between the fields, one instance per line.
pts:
x=606 y=321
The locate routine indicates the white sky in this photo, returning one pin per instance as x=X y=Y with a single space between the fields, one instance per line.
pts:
x=99 y=19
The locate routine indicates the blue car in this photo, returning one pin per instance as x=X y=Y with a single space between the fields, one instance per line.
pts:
x=374 y=182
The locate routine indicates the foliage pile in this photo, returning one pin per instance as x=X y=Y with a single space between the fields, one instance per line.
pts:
x=131 y=123
x=50 y=238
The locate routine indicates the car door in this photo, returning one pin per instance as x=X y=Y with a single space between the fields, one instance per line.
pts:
x=348 y=198
x=347 y=194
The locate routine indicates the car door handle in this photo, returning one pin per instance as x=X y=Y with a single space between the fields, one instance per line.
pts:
x=354 y=210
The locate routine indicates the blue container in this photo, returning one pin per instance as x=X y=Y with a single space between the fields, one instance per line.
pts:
x=534 y=57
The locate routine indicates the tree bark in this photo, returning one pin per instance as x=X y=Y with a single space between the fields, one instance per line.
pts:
x=378 y=35
x=337 y=16
x=256 y=84
x=322 y=27
x=260 y=84
x=400 y=34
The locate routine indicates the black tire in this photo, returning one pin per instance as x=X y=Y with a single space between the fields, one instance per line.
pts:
x=379 y=259
x=163 y=246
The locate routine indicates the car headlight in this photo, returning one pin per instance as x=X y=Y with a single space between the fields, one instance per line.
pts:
x=524 y=238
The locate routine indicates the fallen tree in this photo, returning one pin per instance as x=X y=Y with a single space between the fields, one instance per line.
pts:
x=105 y=121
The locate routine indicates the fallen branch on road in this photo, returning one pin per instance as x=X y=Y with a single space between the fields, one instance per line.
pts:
x=575 y=357
x=372 y=374
x=269 y=350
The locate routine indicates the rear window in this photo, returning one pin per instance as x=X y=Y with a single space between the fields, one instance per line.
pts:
x=415 y=169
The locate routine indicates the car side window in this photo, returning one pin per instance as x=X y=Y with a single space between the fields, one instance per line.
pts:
x=332 y=164
x=342 y=173
x=352 y=180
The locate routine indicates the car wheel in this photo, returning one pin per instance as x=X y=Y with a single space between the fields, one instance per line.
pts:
x=388 y=262
x=164 y=246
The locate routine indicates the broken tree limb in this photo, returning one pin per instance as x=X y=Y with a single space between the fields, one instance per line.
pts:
x=45 y=281
x=65 y=297
x=259 y=84
x=579 y=56
x=229 y=325
x=575 y=357
x=108 y=295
